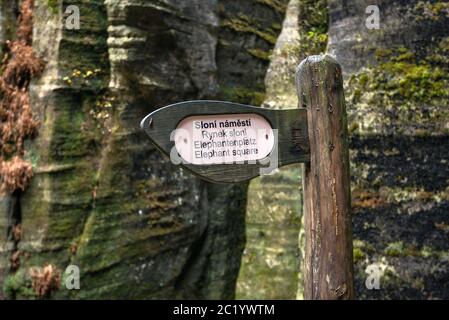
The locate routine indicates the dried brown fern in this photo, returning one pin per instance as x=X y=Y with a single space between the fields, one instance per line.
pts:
x=45 y=280
x=16 y=116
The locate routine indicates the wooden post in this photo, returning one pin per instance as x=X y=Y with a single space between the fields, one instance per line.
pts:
x=327 y=199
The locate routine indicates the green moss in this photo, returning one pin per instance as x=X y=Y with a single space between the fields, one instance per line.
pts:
x=399 y=249
x=353 y=127
x=431 y=10
x=440 y=56
x=406 y=56
x=260 y=54
x=358 y=254
x=244 y=24
x=395 y=249
x=85 y=49
x=244 y=95
x=314 y=24
x=278 y=5
x=18 y=286
x=53 y=5
x=315 y=42
x=361 y=249
x=70 y=139
x=383 y=53
x=407 y=82
x=408 y=78
x=276 y=26
x=391 y=279
x=413 y=83
x=402 y=89
x=85 y=57
x=270 y=255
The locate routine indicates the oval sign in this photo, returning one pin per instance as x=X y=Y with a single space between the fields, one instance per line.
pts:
x=225 y=138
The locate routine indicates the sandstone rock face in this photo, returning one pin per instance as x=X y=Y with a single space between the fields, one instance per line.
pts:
x=274 y=209
x=416 y=25
x=396 y=92
x=273 y=251
x=8 y=16
x=280 y=78
x=103 y=198
x=397 y=74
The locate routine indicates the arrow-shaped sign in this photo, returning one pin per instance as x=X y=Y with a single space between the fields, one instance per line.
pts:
x=228 y=142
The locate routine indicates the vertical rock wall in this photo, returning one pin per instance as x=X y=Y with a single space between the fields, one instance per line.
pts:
x=103 y=198
x=397 y=95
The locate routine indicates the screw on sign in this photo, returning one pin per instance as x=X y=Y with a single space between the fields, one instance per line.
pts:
x=225 y=142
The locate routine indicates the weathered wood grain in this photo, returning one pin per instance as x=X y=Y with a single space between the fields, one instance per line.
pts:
x=327 y=203
x=292 y=146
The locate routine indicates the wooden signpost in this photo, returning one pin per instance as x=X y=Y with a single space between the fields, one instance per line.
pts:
x=225 y=142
